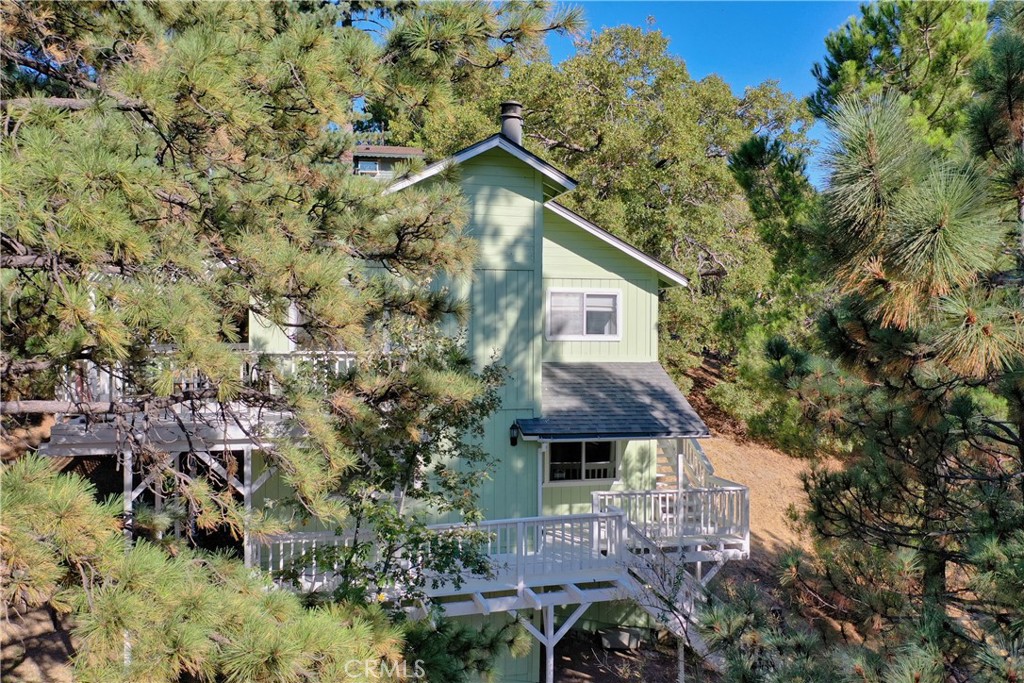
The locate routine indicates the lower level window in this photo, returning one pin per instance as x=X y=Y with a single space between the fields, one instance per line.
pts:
x=581 y=460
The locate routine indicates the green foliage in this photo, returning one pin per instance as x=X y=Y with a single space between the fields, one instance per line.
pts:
x=453 y=652
x=649 y=147
x=171 y=167
x=919 y=51
x=758 y=645
x=143 y=614
x=917 y=378
x=994 y=116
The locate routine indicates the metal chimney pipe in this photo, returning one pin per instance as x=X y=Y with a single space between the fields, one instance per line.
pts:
x=512 y=121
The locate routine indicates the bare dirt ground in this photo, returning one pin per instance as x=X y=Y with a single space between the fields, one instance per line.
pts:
x=579 y=658
x=774 y=481
x=32 y=651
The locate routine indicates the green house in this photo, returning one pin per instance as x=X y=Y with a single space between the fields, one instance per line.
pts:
x=602 y=508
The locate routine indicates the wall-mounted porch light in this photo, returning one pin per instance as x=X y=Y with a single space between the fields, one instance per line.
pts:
x=513 y=434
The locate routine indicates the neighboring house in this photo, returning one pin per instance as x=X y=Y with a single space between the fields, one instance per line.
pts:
x=378 y=161
x=601 y=497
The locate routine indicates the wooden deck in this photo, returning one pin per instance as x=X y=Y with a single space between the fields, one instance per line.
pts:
x=607 y=554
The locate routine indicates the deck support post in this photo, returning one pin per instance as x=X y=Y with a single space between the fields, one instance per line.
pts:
x=127 y=467
x=549 y=637
x=680 y=471
x=681 y=659
x=549 y=643
x=247 y=549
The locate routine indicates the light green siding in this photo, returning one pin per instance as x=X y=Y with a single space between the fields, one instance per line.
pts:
x=505 y=201
x=573 y=258
x=638 y=472
x=266 y=337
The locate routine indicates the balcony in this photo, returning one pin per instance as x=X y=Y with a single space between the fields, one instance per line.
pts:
x=629 y=539
x=90 y=383
x=201 y=424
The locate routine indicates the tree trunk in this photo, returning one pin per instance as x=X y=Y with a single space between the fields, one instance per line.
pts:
x=681 y=659
x=1020 y=231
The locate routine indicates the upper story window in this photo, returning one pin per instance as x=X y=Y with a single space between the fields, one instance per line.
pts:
x=584 y=315
x=581 y=461
x=367 y=167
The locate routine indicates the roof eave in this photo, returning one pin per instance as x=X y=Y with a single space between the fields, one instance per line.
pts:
x=557 y=178
x=669 y=275
x=584 y=436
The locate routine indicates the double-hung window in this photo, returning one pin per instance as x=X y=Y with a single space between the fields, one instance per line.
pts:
x=584 y=315
x=581 y=461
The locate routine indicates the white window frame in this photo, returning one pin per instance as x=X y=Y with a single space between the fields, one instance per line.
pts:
x=376 y=167
x=617 y=452
x=617 y=293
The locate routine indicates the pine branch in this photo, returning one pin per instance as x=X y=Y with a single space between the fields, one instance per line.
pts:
x=71 y=103
x=124 y=102
x=135 y=405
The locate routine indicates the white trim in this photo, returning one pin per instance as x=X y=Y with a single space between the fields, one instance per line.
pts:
x=618 y=455
x=583 y=337
x=624 y=247
x=495 y=141
x=581 y=482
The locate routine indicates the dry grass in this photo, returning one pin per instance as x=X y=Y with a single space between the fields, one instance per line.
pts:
x=774 y=481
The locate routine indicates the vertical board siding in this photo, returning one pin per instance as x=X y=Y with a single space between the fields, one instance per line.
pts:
x=266 y=337
x=505 y=200
x=638 y=473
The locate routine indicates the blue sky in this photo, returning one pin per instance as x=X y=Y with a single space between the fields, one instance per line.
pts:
x=743 y=42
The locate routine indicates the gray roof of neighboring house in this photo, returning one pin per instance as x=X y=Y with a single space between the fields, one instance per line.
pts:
x=390 y=151
x=611 y=401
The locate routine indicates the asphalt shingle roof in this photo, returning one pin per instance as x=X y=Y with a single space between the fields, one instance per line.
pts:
x=611 y=400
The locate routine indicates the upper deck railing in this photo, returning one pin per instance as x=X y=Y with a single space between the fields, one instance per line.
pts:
x=716 y=513
x=89 y=382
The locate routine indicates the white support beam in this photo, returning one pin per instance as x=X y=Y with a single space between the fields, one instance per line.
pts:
x=219 y=469
x=263 y=478
x=481 y=603
x=532 y=599
x=549 y=644
x=247 y=550
x=570 y=622
x=530 y=628
x=574 y=592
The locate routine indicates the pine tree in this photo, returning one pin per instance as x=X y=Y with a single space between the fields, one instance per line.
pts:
x=170 y=167
x=194 y=616
x=995 y=115
x=922 y=51
x=921 y=382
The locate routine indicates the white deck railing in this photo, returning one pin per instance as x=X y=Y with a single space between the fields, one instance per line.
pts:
x=88 y=382
x=693 y=467
x=519 y=550
x=720 y=510
x=529 y=550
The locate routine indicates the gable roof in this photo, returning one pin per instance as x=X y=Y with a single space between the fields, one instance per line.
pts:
x=555 y=181
x=610 y=401
x=668 y=274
